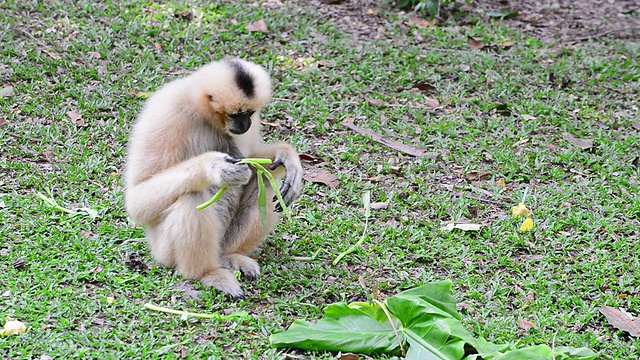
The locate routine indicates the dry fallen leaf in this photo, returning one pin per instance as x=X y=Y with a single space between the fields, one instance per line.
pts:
x=621 y=320
x=407 y=149
x=474 y=175
x=418 y=21
x=320 y=176
x=6 y=91
x=583 y=144
x=75 y=117
x=379 y=205
x=13 y=327
x=461 y=225
x=521 y=210
x=475 y=44
x=527 y=225
x=258 y=26
x=424 y=87
x=501 y=183
x=94 y=54
x=525 y=325
x=349 y=357
x=432 y=103
x=377 y=102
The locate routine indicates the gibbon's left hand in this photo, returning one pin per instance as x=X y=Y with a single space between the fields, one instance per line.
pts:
x=292 y=184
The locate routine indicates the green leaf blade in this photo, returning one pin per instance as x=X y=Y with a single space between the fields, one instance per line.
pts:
x=344 y=329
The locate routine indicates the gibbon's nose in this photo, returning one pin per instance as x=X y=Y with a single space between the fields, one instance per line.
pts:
x=240 y=122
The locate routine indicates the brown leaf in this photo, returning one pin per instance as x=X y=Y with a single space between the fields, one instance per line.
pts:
x=54 y=55
x=258 y=26
x=377 y=103
x=75 y=117
x=424 y=87
x=621 y=321
x=418 y=21
x=525 y=325
x=320 y=176
x=94 y=54
x=475 y=44
x=407 y=149
x=349 y=357
x=583 y=144
x=474 y=175
x=432 y=103
x=308 y=157
x=3 y=120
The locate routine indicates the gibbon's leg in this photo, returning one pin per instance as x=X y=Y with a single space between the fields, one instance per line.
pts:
x=193 y=238
x=246 y=232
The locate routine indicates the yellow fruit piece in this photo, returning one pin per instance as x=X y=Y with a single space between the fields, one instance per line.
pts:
x=521 y=210
x=527 y=225
x=13 y=327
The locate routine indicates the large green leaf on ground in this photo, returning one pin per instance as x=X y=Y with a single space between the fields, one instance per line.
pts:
x=360 y=328
x=422 y=321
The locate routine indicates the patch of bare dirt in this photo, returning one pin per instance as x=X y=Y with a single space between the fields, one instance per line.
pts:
x=568 y=20
x=548 y=21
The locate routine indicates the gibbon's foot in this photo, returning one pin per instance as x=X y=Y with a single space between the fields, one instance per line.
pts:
x=246 y=265
x=223 y=280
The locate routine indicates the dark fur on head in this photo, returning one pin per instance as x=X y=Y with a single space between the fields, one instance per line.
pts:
x=243 y=79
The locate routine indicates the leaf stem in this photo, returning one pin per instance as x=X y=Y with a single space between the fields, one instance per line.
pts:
x=236 y=315
x=393 y=326
x=213 y=199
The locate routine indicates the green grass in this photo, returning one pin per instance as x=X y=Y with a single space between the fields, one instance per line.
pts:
x=87 y=56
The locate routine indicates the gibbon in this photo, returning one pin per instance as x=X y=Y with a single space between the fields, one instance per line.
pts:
x=184 y=146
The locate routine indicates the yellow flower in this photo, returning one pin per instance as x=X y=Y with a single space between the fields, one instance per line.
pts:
x=13 y=327
x=521 y=210
x=527 y=225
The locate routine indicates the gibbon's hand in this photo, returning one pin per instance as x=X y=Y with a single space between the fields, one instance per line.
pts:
x=224 y=171
x=292 y=184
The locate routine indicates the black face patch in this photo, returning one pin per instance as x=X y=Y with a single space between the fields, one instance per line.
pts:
x=243 y=79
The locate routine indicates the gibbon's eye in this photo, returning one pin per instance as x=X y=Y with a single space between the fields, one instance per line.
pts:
x=240 y=122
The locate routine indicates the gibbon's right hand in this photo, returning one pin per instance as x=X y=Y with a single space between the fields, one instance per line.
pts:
x=224 y=171
x=292 y=184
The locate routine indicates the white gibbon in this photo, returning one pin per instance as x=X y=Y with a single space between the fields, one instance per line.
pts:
x=184 y=146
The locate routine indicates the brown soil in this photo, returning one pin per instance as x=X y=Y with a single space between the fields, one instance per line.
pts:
x=549 y=21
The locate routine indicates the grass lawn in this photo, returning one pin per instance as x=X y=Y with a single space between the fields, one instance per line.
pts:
x=506 y=125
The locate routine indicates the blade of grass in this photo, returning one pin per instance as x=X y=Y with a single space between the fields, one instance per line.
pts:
x=366 y=200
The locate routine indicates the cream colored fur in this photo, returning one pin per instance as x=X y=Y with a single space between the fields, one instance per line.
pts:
x=180 y=153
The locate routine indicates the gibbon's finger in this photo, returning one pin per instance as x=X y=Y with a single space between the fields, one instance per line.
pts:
x=232 y=160
x=278 y=208
x=276 y=164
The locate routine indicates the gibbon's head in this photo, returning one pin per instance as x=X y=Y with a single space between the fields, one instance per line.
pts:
x=231 y=92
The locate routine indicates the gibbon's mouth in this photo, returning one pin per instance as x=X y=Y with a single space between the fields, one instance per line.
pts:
x=240 y=122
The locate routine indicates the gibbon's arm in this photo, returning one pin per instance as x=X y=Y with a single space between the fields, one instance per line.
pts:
x=286 y=163
x=146 y=201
